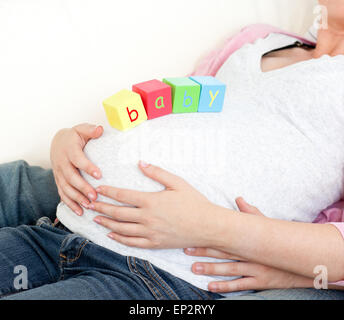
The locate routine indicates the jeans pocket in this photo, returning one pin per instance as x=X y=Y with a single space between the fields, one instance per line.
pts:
x=145 y=271
x=70 y=251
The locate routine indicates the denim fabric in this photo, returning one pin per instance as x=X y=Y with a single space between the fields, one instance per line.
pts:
x=26 y=194
x=62 y=265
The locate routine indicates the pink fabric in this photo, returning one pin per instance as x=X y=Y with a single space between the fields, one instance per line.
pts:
x=213 y=62
x=335 y=216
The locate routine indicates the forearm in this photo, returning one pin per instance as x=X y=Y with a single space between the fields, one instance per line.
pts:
x=291 y=246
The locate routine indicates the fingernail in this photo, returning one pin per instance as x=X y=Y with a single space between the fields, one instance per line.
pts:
x=78 y=212
x=199 y=268
x=213 y=287
x=91 y=206
x=97 y=220
x=111 y=236
x=99 y=189
x=85 y=204
x=144 y=164
x=95 y=128
x=91 y=196
x=191 y=250
x=96 y=174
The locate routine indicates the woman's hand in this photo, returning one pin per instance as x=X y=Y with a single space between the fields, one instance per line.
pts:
x=254 y=276
x=67 y=157
x=168 y=219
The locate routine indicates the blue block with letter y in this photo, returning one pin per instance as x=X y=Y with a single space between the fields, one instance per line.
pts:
x=212 y=94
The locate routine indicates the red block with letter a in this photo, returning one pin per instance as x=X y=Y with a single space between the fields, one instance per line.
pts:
x=156 y=97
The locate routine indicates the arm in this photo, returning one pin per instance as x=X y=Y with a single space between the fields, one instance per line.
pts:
x=253 y=276
x=181 y=217
x=291 y=246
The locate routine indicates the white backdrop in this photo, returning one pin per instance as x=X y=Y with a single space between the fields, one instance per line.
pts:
x=60 y=58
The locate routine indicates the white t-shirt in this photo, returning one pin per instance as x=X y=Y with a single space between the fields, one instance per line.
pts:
x=279 y=143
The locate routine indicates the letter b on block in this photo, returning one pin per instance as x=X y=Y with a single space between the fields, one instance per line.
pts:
x=212 y=94
x=125 y=110
x=185 y=94
x=156 y=97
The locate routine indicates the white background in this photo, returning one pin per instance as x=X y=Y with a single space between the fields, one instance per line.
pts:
x=60 y=58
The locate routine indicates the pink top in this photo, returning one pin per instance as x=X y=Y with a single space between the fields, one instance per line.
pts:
x=213 y=62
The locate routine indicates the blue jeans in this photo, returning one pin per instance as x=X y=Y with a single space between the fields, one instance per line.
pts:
x=26 y=194
x=292 y=294
x=63 y=265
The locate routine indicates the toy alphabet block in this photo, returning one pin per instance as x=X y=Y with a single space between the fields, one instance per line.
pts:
x=185 y=94
x=212 y=94
x=125 y=110
x=156 y=97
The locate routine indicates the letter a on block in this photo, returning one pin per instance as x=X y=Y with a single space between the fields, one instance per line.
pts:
x=159 y=103
x=125 y=110
x=156 y=97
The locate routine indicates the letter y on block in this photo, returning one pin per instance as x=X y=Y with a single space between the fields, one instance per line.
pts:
x=212 y=94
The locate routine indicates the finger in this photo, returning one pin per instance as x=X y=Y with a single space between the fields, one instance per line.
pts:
x=120 y=214
x=247 y=208
x=131 y=197
x=241 y=284
x=80 y=161
x=89 y=131
x=160 y=175
x=212 y=253
x=122 y=228
x=72 y=193
x=73 y=177
x=70 y=203
x=230 y=269
x=142 y=243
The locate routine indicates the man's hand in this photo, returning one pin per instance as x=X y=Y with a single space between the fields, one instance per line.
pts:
x=67 y=157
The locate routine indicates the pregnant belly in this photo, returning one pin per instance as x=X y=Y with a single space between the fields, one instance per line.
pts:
x=265 y=160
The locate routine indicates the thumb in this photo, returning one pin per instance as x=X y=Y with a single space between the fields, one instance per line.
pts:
x=162 y=176
x=89 y=131
x=247 y=208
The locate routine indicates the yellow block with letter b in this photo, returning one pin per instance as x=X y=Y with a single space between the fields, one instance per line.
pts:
x=125 y=110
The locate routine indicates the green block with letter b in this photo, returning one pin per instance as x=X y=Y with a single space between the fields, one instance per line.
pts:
x=185 y=94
